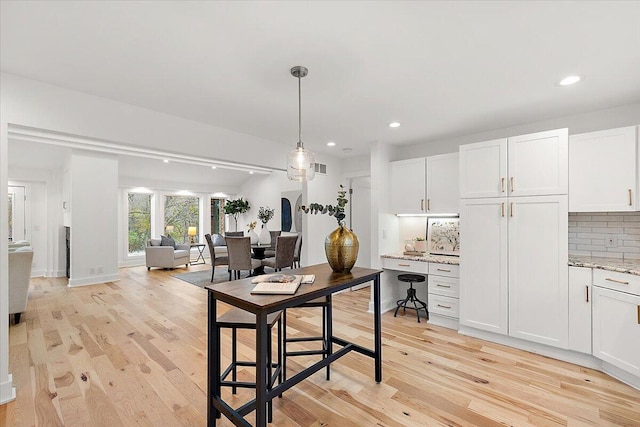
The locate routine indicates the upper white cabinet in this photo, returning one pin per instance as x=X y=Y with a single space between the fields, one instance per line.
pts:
x=443 y=188
x=526 y=165
x=408 y=186
x=425 y=185
x=602 y=171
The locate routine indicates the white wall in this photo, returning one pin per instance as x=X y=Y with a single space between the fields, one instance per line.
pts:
x=626 y=115
x=94 y=218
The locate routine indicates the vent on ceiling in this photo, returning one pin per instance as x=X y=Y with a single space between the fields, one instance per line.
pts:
x=321 y=168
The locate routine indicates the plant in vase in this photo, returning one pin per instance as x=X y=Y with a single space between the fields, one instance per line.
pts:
x=341 y=246
x=235 y=208
x=420 y=244
x=264 y=215
x=252 y=234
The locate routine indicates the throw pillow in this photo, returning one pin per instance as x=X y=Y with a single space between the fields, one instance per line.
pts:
x=218 y=240
x=167 y=241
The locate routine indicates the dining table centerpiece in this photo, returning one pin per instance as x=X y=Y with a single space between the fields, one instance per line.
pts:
x=341 y=245
x=252 y=234
x=265 y=213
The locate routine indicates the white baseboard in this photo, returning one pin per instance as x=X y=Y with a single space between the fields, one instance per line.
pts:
x=55 y=273
x=621 y=375
x=7 y=390
x=444 y=321
x=38 y=273
x=386 y=305
x=93 y=280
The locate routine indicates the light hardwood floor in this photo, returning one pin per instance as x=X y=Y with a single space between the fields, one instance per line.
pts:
x=133 y=352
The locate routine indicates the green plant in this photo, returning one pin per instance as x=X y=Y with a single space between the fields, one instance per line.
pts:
x=337 y=211
x=235 y=208
x=265 y=214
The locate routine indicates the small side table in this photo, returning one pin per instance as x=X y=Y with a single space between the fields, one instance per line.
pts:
x=200 y=247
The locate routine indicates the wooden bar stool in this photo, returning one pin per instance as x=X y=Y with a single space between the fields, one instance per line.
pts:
x=411 y=295
x=241 y=319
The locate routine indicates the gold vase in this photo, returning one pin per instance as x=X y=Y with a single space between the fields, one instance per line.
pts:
x=341 y=248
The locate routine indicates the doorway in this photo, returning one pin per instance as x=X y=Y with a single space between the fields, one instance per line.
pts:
x=360 y=216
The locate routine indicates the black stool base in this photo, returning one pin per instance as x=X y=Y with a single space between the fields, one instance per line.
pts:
x=411 y=298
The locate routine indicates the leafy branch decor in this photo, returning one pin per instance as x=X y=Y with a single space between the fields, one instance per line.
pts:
x=235 y=208
x=341 y=246
x=265 y=214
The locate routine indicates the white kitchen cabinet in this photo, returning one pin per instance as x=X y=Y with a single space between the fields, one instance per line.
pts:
x=580 y=297
x=444 y=294
x=602 y=171
x=483 y=264
x=538 y=272
x=513 y=267
x=408 y=186
x=442 y=184
x=616 y=328
x=526 y=165
x=483 y=169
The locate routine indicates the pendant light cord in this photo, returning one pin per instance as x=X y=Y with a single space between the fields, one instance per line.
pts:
x=299 y=113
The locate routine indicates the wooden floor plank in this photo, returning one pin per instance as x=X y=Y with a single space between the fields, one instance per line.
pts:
x=133 y=352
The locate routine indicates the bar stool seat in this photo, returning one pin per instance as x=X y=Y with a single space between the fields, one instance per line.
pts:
x=411 y=296
x=240 y=319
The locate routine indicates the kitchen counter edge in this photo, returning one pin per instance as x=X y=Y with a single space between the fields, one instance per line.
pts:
x=629 y=266
x=439 y=259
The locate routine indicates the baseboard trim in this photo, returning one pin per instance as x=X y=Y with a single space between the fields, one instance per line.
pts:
x=7 y=391
x=444 y=321
x=386 y=305
x=55 y=273
x=38 y=273
x=86 y=281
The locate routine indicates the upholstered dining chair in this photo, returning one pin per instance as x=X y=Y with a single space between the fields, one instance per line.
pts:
x=297 y=252
x=274 y=237
x=285 y=249
x=234 y=234
x=215 y=260
x=239 y=250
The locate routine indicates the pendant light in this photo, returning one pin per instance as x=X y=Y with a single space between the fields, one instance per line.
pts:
x=300 y=161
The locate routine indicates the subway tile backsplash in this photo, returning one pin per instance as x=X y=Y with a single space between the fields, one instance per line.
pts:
x=605 y=234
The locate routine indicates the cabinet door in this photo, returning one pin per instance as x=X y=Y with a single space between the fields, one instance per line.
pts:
x=408 y=186
x=443 y=187
x=483 y=264
x=483 y=169
x=616 y=328
x=538 y=163
x=580 y=297
x=602 y=171
x=538 y=271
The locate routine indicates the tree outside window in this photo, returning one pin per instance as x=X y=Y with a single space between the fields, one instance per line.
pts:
x=139 y=222
x=182 y=212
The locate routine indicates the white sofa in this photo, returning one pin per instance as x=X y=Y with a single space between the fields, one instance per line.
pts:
x=166 y=256
x=20 y=260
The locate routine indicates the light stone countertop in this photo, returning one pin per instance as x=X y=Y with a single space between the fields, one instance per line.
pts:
x=630 y=266
x=440 y=259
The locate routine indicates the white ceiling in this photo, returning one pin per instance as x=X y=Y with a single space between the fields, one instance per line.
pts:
x=443 y=69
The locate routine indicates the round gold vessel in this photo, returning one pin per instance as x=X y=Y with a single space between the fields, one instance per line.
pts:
x=341 y=248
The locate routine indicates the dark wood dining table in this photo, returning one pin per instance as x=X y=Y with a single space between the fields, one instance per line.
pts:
x=238 y=294
x=259 y=253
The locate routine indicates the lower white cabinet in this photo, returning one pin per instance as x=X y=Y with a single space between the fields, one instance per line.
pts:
x=580 y=297
x=616 y=328
x=444 y=294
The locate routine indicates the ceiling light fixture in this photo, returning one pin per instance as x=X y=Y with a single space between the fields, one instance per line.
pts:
x=213 y=167
x=569 y=80
x=166 y=161
x=331 y=144
x=300 y=161
x=394 y=124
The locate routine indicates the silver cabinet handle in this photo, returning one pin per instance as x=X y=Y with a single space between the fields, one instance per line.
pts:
x=428 y=205
x=502 y=184
x=511 y=184
x=443 y=269
x=421 y=204
x=617 y=281
x=630 y=198
x=444 y=306
x=502 y=209
x=511 y=209
x=442 y=286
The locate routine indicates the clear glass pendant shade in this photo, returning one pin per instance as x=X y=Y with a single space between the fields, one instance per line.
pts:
x=301 y=164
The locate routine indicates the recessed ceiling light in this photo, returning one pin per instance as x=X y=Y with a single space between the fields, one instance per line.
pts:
x=569 y=80
x=250 y=172
x=394 y=124
x=166 y=161
x=331 y=144
x=347 y=150
x=213 y=167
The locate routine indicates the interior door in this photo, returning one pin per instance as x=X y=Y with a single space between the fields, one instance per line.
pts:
x=16 y=213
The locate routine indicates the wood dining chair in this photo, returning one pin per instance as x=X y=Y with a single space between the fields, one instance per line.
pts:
x=239 y=251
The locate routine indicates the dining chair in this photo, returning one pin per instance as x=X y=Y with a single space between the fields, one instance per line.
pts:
x=296 y=253
x=215 y=260
x=274 y=237
x=234 y=234
x=239 y=251
x=285 y=249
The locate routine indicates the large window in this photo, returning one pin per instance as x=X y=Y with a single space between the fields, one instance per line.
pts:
x=181 y=212
x=217 y=216
x=10 y=204
x=139 y=222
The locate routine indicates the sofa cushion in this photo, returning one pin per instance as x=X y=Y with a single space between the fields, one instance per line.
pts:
x=167 y=241
x=180 y=253
x=155 y=242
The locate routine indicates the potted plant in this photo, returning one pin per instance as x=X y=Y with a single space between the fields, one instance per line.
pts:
x=420 y=244
x=264 y=215
x=252 y=234
x=235 y=208
x=341 y=246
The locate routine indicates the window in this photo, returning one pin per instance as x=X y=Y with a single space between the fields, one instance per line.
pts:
x=181 y=212
x=139 y=222
x=217 y=216
x=10 y=204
